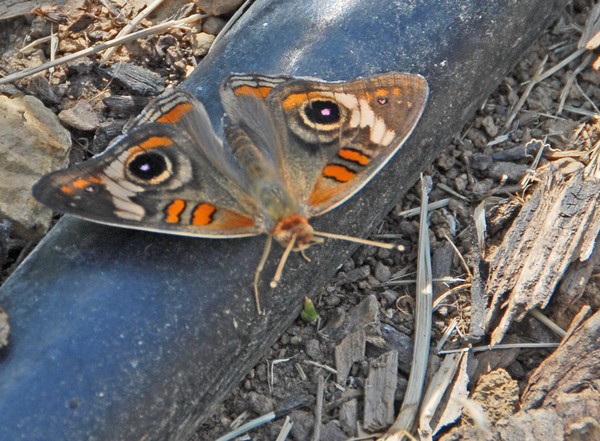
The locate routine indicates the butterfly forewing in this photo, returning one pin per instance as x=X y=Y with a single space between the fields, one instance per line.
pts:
x=160 y=177
x=339 y=135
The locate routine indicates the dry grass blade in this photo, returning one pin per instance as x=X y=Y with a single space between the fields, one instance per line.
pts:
x=571 y=79
x=285 y=429
x=102 y=46
x=560 y=65
x=537 y=77
x=424 y=294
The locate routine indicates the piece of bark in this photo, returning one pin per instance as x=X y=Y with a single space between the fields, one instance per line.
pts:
x=350 y=350
x=573 y=367
x=558 y=225
x=136 y=79
x=379 y=392
x=562 y=400
x=571 y=289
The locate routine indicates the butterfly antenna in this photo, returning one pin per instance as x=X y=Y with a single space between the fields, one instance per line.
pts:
x=259 y=268
x=387 y=246
x=284 y=258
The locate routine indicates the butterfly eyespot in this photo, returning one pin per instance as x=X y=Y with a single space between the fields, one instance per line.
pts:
x=92 y=188
x=322 y=112
x=383 y=100
x=149 y=168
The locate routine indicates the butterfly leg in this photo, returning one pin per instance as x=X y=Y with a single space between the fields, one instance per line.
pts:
x=259 y=268
x=284 y=258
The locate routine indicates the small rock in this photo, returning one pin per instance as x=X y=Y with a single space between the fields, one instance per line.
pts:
x=392 y=340
x=303 y=424
x=40 y=27
x=355 y=275
x=213 y=25
x=219 y=7
x=409 y=228
x=362 y=314
x=124 y=106
x=4 y=328
x=348 y=265
x=389 y=296
x=32 y=143
x=477 y=137
x=201 y=43
x=81 y=66
x=313 y=348
x=382 y=272
x=106 y=132
x=259 y=404
x=480 y=161
x=508 y=171
x=81 y=117
x=332 y=432
x=490 y=127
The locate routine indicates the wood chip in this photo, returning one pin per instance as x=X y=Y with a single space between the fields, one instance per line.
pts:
x=138 y=80
x=350 y=350
x=380 y=388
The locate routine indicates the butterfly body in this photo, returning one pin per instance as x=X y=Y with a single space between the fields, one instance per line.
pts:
x=291 y=149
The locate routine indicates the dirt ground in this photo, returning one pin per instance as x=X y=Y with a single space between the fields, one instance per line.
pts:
x=482 y=162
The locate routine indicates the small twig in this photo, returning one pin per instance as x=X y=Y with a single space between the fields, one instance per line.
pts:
x=447 y=333
x=501 y=346
x=463 y=262
x=130 y=27
x=447 y=189
x=113 y=10
x=448 y=293
x=548 y=323
x=102 y=46
x=319 y=408
x=322 y=366
x=430 y=207
x=35 y=43
x=560 y=65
